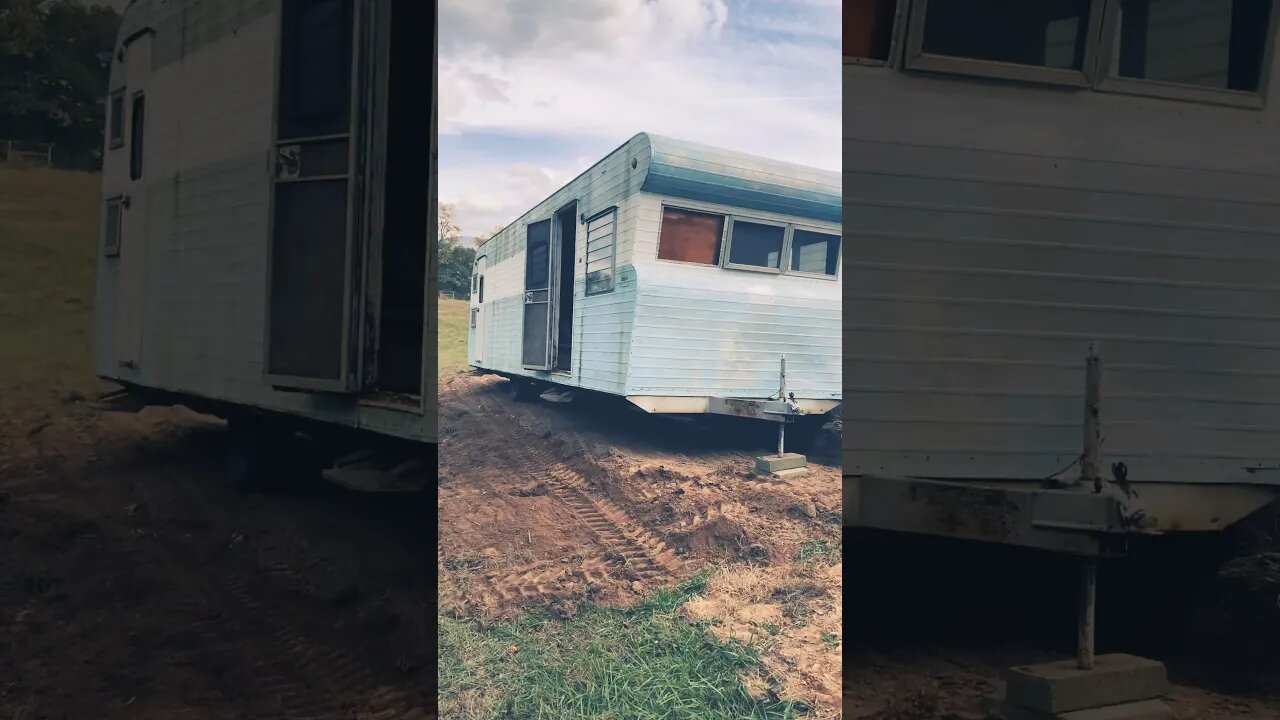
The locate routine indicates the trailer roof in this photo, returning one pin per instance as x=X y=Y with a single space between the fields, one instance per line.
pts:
x=691 y=171
x=699 y=172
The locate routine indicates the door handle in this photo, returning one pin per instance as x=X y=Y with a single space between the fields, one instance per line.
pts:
x=126 y=202
x=528 y=297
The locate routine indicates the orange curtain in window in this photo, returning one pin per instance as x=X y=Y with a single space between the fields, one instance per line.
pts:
x=690 y=237
x=866 y=28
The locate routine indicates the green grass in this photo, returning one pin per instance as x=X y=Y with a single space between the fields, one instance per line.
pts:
x=48 y=240
x=643 y=663
x=452 y=341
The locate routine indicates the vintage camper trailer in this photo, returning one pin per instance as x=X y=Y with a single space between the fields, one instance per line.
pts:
x=676 y=275
x=1021 y=184
x=266 y=251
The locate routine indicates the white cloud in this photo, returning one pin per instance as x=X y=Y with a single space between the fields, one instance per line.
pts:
x=591 y=73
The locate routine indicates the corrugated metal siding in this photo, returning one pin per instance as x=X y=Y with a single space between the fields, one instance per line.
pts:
x=986 y=250
x=708 y=331
x=210 y=107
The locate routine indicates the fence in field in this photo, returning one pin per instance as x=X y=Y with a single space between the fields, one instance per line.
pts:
x=17 y=152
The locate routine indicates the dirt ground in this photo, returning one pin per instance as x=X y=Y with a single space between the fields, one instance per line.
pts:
x=543 y=503
x=136 y=584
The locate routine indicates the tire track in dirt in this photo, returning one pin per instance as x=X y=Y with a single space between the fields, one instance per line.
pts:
x=273 y=659
x=633 y=550
x=306 y=679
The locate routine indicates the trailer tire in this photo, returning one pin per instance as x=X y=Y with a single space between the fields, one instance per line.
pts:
x=522 y=390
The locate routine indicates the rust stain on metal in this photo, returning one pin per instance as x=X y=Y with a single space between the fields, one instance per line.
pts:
x=968 y=511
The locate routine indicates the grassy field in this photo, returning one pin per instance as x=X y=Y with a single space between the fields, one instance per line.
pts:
x=48 y=241
x=643 y=663
x=452 y=341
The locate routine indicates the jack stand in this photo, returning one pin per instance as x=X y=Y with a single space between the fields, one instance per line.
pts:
x=1086 y=621
x=783 y=465
x=1104 y=687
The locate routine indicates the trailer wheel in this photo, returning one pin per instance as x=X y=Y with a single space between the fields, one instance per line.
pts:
x=522 y=390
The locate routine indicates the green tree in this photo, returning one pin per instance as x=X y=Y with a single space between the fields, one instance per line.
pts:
x=55 y=61
x=456 y=259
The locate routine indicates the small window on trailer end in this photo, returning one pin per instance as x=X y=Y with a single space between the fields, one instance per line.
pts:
x=137 y=125
x=689 y=236
x=111 y=230
x=115 y=120
x=601 y=251
x=868 y=29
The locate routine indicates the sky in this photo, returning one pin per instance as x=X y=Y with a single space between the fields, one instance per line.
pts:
x=534 y=92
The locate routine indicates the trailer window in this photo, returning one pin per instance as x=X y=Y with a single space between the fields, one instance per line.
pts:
x=868 y=29
x=756 y=246
x=136 y=127
x=1042 y=41
x=814 y=252
x=111 y=231
x=115 y=120
x=601 y=241
x=315 y=68
x=689 y=236
x=1215 y=44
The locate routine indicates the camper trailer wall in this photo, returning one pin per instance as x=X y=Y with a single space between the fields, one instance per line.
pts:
x=670 y=334
x=994 y=228
x=182 y=306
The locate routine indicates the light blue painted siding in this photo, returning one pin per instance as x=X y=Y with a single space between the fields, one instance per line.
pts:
x=705 y=174
x=993 y=231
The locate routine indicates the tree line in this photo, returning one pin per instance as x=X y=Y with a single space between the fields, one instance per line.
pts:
x=55 y=62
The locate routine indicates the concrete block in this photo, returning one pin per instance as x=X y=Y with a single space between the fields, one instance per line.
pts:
x=789 y=474
x=1141 y=710
x=777 y=463
x=1061 y=687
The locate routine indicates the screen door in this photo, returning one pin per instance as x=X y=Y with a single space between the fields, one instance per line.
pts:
x=308 y=344
x=537 y=295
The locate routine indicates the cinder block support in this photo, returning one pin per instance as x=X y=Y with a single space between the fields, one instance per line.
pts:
x=1141 y=710
x=777 y=464
x=1056 y=688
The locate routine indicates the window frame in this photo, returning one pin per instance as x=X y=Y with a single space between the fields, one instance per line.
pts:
x=907 y=52
x=1117 y=84
x=897 y=31
x=726 y=248
x=662 y=218
x=613 y=253
x=110 y=249
x=137 y=137
x=820 y=231
x=917 y=59
x=116 y=130
x=725 y=239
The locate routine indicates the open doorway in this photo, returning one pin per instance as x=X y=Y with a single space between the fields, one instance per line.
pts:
x=567 y=236
x=405 y=194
